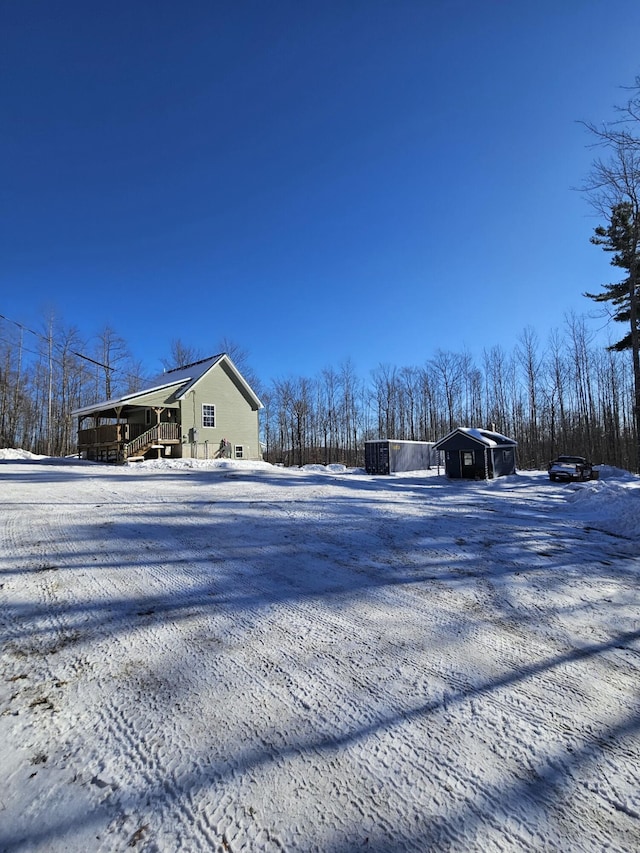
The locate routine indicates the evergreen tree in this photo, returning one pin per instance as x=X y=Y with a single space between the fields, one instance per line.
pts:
x=614 y=190
x=622 y=237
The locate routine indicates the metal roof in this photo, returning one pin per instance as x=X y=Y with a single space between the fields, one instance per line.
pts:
x=182 y=378
x=482 y=436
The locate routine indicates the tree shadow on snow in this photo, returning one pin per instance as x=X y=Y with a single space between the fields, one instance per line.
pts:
x=238 y=574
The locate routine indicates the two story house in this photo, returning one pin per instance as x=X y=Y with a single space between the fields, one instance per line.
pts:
x=204 y=410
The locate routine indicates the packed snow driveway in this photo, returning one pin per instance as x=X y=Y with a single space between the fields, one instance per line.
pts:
x=240 y=657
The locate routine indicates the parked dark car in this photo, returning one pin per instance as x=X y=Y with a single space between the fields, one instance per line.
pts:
x=571 y=468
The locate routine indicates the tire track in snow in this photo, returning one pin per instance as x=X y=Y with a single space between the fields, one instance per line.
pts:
x=452 y=767
x=54 y=628
x=35 y=547
x=133 y=749
x=558 y=688
x=418 y=749
x=297 y=699
x=340 y=699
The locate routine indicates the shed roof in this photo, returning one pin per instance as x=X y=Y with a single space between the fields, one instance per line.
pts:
x=181 y=378
x=483 y=436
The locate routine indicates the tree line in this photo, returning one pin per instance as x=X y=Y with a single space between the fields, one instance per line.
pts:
x=561 y=395
x=47 y=373
x=564 y=396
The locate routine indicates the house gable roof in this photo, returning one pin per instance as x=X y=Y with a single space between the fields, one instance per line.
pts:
x=198 y=370
x=483 y=436
x=182 y=379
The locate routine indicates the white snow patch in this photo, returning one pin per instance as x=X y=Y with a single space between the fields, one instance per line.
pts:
x=14 y=453
x=230 y=655
x=610 y=504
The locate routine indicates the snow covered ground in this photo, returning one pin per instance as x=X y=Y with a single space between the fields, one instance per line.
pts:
x=235 y=656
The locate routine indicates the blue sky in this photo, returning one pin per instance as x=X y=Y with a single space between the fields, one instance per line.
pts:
x=313 y=181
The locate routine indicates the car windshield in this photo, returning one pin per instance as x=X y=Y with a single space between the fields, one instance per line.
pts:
x=574 y=460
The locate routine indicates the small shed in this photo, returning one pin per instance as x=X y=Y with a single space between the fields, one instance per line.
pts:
x=389 y=456
x=477 y=454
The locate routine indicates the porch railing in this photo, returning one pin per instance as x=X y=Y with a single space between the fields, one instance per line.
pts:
x=106 y=434
x=109 y=434
x=158 y=433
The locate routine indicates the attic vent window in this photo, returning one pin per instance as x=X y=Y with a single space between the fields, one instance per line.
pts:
x=208 y=415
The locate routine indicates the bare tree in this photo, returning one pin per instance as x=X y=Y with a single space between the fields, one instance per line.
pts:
x=531 y=366
x=113 y=356
x=327 y=413
x=240 y=357
x=447 y=366
x=385 y=382
x=558 y=384
x=349 y=412
x=180 y=354
x=409 y=393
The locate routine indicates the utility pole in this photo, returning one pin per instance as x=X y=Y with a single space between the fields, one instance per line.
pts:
x=50 y=401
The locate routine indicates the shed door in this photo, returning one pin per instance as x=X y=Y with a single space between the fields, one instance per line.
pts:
x=382 y=461
x=467 y=463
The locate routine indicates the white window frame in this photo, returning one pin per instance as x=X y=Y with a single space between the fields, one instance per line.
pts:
x=209 y=416
x=238 y=451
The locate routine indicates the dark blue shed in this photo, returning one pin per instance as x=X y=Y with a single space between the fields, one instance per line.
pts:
x=477 y=454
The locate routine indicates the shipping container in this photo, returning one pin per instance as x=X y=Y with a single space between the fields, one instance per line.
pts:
x=388 y=456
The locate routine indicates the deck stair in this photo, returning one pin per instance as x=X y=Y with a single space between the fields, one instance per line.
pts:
x=155 y=438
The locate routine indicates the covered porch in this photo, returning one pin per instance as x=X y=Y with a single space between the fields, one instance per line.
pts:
x=134 y=433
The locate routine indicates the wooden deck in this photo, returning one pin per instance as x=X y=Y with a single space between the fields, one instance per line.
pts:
x=120 y=442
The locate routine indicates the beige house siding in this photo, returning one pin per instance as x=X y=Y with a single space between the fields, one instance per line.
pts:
x=161 y=397
x=144 y=416
x=134 y=430
x=236 y=418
